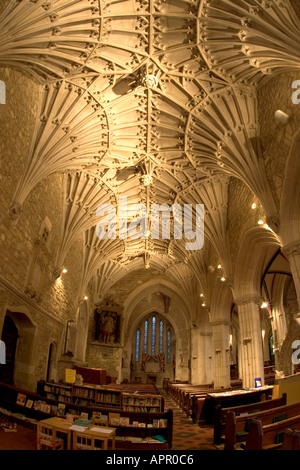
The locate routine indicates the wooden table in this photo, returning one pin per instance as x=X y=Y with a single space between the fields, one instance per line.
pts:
x=58 y=425
x=95 y=433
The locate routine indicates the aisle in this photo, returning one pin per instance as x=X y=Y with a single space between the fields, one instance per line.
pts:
x=188 y=436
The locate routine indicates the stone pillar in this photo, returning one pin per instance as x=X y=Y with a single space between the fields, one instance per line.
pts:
x=201 y=360
x=221 y=352
x=292 y=252
x=251 y=359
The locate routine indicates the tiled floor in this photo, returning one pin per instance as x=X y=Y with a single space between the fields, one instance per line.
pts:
x=186 y=436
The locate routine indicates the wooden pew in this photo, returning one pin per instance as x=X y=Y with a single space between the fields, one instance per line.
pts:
x=222 y=414
x=198 y=400
x=212 y=409
x=291 y=440
x=237 y=427
x=270 y=436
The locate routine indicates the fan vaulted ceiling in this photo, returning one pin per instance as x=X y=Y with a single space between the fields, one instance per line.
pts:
x=155 y=100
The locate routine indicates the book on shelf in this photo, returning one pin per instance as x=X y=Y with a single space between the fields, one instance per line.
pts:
x=114 y=419
x=124 y=421
x=29 y=403
x=21 y=399
x=61 y=409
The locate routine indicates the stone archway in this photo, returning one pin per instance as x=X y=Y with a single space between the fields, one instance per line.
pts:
x=24 y=358
x=147 y=298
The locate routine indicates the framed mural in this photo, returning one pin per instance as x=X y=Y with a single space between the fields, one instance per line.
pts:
x=107 y=325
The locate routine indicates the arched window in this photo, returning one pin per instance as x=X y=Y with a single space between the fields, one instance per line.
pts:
x=154 y=335
x=137 y=348
x=161 y=332
x=146 y=337
x=169 y=346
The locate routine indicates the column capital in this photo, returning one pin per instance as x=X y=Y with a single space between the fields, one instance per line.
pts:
x=220 y=322
x=248 y=299
x=291 y=248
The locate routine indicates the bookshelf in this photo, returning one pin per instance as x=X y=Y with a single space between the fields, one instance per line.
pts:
x=62 y=393
x=134 y=429
x=142 y=403
x=88 y=394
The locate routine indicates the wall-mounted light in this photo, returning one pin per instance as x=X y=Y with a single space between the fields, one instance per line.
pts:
x=263 y=334
x=223 y=279
x=64 y=271
x=247 y=340
x=85 y=297
x=219 y=266
x=230 y=340
x=203 y=305
x=281 y=116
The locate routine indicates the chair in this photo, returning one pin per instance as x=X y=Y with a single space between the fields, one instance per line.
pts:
x=47 y=438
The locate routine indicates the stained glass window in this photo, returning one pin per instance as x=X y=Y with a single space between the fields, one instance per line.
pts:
x=146 y=337
x=169 y=346
x=161 y=331
x=137 y=350
x=153 y=335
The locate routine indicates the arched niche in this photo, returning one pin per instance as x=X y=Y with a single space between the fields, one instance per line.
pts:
x=23 y=375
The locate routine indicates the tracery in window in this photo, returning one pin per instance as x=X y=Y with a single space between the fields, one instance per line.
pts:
x=137 y=349
x=154 y=336
x=146 y=337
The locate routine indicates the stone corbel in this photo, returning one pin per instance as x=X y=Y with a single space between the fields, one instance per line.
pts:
x=291 y=249
x=273 y=222
x=15 y=210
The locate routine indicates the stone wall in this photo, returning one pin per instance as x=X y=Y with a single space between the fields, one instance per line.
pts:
x=38 y=302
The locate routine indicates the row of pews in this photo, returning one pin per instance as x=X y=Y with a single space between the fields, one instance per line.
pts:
x=268 y=426
x=190 y=398
x=242 y=419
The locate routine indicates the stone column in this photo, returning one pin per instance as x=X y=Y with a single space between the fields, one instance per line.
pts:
x=252 y=362
x=292 y=252
x=201 y=360
x=221 y=353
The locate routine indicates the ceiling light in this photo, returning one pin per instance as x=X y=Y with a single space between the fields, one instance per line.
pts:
x=201 y=295
x=203 y=305
x=85 y=297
